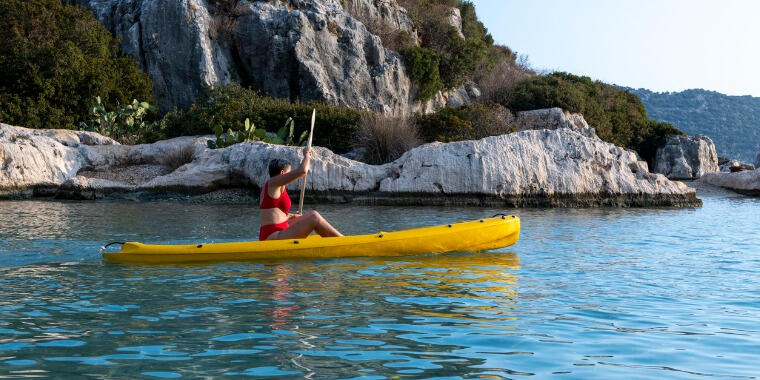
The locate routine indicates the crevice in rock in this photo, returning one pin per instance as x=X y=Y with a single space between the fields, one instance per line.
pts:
x=294 y=82
x=246 y=79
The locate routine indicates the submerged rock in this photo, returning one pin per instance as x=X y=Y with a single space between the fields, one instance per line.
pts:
x=686 y=157
x=744 y=182
x=559 y=167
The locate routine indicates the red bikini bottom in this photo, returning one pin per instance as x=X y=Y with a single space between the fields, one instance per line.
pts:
x=269 y=229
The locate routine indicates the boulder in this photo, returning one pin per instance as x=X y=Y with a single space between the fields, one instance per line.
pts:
x=552 y=118
x=686 y=157
x=307 y=50
x=454 y=18
x=457 y=97
x=744 y=182
x=731 y=166
x=547 y=167
x=549 y=118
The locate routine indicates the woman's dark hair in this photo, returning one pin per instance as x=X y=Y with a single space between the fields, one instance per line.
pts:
x=276 y=166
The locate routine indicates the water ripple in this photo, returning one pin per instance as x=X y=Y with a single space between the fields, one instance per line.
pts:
x=585 y=294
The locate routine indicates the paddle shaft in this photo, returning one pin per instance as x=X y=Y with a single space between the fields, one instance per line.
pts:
x=308 y=147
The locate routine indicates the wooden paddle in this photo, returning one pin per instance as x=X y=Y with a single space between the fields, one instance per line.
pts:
x=308 y=147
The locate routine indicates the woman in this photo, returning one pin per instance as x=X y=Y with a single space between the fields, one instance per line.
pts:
x=276 y=223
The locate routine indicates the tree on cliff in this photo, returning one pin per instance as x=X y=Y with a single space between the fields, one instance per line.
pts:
x=55 y=59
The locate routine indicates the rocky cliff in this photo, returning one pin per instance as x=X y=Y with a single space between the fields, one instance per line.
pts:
x=302 y=49
x=560 y=167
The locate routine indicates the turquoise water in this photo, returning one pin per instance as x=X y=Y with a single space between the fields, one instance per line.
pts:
x=585 y=293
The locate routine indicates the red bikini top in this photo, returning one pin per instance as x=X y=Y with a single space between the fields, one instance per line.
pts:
x=283 y=202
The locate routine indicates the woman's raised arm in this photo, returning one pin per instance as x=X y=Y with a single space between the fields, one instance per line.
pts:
x=284 y=179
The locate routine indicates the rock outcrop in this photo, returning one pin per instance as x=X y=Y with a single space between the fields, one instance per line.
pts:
x=559 y=167
x=549 y=118
x=686 y=157
x=731 y=166
x=305 y=49
x=744 y=182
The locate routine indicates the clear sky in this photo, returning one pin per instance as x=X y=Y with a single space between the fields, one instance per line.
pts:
x=661 y=45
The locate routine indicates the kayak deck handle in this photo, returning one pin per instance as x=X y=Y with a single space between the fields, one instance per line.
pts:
x=103 y=248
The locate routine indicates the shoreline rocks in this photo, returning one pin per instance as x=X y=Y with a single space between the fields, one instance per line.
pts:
x=745 y=182
x=554 y=168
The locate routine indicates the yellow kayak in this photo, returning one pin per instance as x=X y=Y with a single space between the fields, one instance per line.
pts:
x=477 y=235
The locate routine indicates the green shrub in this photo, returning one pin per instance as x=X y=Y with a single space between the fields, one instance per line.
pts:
x=54 y=59
x=469 y=122
x=422 y=67
x=228 y=107
x=446 y=125
x=458 y=57
x=618 y=116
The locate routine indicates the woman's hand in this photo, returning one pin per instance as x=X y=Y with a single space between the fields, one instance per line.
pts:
x=293 y=216
x=306 y=163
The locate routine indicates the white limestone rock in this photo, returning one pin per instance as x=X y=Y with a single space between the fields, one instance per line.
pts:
x=553 y=118
x=686 y=157
x=36 y=158
x=454 y=18
x=531 y=163
x=557 y=167
x=549 y=118
x=745 y=182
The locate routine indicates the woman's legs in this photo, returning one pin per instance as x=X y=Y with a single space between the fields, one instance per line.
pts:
x=302 y=226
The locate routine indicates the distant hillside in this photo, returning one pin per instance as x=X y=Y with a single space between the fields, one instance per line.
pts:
x=733 y=122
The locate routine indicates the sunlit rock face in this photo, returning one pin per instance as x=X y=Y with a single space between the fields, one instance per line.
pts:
x=546 y=167
x=307 y=50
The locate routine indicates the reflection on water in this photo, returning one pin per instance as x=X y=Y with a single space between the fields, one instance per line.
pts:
x=363 y=314
x=585 y=293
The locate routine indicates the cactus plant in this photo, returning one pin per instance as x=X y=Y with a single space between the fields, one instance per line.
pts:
x=284 y=135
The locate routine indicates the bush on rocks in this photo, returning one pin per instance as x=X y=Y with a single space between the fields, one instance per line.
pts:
x=383 y=139
x=618 y=116
x=54 y=59
x=457 y=57
x=422 y=67
x=469 y=122
x=229 y=106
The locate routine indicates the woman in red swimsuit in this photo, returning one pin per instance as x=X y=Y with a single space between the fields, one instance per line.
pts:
x=276 y=220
